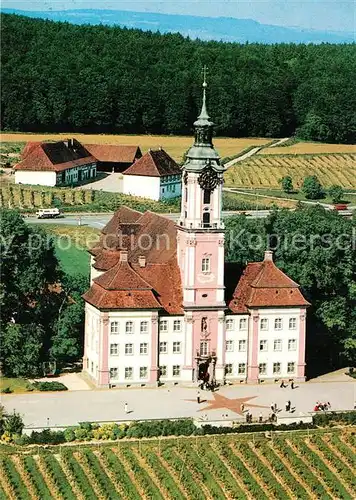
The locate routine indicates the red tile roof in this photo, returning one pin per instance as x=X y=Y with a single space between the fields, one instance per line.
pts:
x=154 y=164
x=114 y=153
x=262 y=284
x=160 y=276
x=54 y=156
x=29 y=147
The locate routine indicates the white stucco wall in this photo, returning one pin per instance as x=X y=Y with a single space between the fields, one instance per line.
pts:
x=235 y=357
x=92 y=337
x=137 y=185
x=284 y=356
x=35 y=178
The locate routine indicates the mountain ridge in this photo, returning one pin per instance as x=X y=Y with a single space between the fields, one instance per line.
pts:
x=226 y=29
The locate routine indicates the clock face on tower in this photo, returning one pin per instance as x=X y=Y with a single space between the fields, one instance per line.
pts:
x=208 y=179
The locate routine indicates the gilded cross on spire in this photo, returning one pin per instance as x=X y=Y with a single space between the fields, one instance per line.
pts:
x=203 y=113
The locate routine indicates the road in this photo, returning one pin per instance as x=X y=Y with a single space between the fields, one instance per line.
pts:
x=100 y=220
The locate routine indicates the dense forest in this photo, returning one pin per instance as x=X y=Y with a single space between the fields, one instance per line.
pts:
x=63 y=77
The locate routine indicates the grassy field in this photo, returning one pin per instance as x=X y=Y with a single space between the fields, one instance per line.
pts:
x=72 y=243
x=266 y=171
x=309 y=148
x=14 y=384
x=176 y=146
x=290 y=466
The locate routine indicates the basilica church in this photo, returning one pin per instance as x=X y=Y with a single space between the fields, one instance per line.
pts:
x=159 y=310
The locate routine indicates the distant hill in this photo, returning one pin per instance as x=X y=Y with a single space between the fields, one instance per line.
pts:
x=204 y=28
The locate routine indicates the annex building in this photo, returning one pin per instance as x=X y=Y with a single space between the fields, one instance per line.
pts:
x=159 y=309
x=60 y=163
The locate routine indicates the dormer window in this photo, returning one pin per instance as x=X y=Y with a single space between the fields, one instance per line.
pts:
x=205 y=265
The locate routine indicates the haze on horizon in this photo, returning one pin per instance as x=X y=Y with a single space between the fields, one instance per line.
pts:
x=325 y=15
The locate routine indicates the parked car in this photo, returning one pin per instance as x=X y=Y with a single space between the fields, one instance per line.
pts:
x=48 y=213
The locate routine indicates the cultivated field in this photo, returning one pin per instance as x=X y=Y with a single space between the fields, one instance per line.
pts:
x=176 y=146
x=309 y=148
x=263 y=171
x=289 y=466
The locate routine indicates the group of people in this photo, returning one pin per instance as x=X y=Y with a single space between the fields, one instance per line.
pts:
x=283 y=385
x=322 y=406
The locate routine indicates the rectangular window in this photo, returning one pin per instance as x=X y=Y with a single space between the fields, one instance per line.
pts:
x=143 y=371
x=114 y=327
x=144 y=327
x=277 y=345
x=128 y=372
x=114 y=349
x=292 y=323
x=264 y=324
x=114 y=372
x=128 y=349
x=177 y=325
x=176 y=347
x=292 y=344
x=229 y=324
x=276 y=368
x=242 y=345
x=205 y=265
x=163 y=371
x=129 y=327
x=229 y=346
x=163 y=326
x=207 y=196
x=176 y=370
x=262 y=368
x=291 y=368
x=204 y=348
x=263 y=345
x=228 y=369
x=163 y=349
x=243 y=324
x=278 y=324
x=144 y=348
x=242 y=368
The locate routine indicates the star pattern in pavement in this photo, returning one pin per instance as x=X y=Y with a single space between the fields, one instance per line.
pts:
x=234 y=405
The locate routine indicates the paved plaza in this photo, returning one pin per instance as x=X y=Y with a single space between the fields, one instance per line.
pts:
x=69 y=408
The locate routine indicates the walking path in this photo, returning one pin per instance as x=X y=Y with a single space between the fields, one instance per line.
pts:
x=69 y=408
x=279 y=143
x=243 y=157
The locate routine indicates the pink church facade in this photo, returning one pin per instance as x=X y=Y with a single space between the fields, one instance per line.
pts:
x=163 y=315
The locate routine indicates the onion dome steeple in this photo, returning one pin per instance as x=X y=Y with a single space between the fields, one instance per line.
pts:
x=203 y=152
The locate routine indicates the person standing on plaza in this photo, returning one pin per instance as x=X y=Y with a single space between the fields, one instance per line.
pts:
x=260 y=418
x=292 y=384
x=198 y=397
x=126 y=408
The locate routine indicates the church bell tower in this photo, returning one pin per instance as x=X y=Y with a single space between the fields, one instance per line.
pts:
x=200 y=247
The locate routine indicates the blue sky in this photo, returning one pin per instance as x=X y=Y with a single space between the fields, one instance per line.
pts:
x=334 y=15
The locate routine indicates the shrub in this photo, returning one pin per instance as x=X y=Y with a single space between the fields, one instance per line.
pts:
x=49 y=386
x=69 y=435
x=6 y=390
x=47 y=437
x=312 y=188
x=287 y=184
x=336 y=193
x=13 y=424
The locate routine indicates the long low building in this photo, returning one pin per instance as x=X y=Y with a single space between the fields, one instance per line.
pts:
x=63 y=163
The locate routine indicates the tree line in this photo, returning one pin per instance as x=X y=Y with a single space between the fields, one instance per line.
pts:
x=58 y=77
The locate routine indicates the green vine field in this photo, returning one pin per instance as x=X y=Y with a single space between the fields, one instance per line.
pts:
x=295 y=465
